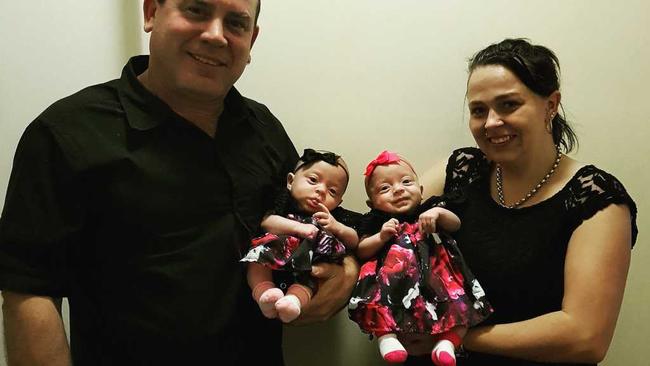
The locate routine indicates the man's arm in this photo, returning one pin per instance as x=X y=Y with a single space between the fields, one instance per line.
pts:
x=34 y=332
x=335 y=285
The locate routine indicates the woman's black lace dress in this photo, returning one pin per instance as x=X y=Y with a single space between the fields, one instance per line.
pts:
x=519 y=253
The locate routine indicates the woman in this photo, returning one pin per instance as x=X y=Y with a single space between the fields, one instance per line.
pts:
x=548 y=236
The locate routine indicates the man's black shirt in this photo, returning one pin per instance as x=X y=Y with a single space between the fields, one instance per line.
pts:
x=139 y=218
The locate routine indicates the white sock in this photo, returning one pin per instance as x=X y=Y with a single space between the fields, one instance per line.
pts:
x=389 y=343
x=444 y=346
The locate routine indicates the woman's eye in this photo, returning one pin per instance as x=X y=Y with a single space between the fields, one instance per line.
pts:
x=509 y=105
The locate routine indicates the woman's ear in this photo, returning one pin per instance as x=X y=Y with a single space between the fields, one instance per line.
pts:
x=290 y=177
x=554 y=101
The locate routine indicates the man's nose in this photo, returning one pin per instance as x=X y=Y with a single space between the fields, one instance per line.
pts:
x=214 y=32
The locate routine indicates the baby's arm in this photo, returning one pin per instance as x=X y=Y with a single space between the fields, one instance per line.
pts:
x=279 y=225
x=347 y=235
x=432 y=220
x=370 y=245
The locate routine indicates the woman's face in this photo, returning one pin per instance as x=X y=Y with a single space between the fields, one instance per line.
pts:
x=507 y=119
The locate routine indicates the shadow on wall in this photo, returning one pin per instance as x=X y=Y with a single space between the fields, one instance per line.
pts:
x=131 y=27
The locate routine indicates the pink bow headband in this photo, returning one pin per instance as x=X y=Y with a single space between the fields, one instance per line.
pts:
x=384 y=158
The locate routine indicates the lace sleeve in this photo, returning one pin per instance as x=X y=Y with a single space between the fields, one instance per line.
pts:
x=592 y=190
x=463 y=167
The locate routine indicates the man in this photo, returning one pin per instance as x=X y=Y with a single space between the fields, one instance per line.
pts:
x=134 y=199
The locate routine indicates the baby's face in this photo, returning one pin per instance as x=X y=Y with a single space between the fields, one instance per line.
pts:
x=395 y=189
x=318 y=185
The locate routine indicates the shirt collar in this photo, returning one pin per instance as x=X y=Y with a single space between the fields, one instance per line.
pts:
x=145 y=111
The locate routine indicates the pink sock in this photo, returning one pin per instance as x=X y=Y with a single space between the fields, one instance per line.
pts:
x=443 y=354
x=391 y=348
x=266 y=294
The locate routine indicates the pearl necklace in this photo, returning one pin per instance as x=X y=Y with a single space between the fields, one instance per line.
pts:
x=532 y=192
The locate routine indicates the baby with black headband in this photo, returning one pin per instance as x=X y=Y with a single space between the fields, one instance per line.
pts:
x=307 y=226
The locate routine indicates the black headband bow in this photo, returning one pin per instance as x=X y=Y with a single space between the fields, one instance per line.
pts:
x=311 y=156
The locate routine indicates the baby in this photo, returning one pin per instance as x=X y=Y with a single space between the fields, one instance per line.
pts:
x=414 y=279
x=304 y=229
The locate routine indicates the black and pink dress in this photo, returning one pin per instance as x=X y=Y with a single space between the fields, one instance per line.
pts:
x=415 y=284
x=295 y=255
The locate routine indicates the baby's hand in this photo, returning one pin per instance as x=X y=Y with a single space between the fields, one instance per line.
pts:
x=307 y=231
x=325 y=219
x=388 y=230
x=427 y=220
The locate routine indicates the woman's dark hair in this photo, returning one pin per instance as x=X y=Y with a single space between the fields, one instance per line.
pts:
x=539 y=69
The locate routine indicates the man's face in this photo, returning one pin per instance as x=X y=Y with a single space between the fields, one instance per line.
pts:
x=199 y=48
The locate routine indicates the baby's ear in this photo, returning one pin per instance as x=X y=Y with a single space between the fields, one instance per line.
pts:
x=369 y=203
x=290 y=180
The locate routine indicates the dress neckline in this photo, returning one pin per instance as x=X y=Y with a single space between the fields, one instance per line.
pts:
x=540 y=204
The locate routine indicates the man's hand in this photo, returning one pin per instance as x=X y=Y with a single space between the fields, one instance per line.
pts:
x=335 y=284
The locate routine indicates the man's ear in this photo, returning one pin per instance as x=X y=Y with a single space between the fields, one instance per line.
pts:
x=369 y=203
x=256 y=32
x=290 y=177
x=149 y=9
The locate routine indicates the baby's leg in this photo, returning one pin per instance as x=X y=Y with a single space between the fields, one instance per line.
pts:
x=391 y=348
x=443 y=353
x=288 y=307
x=260 y=279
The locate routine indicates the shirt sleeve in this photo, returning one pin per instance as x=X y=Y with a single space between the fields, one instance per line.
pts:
x=593 y=190
x=463 y=167
x=42 y=215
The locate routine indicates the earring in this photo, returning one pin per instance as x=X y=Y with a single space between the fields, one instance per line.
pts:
x=549 y=123
x=249 y=59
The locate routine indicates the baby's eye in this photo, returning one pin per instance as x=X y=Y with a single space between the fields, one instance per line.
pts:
x=312 y=179
x=334 y=192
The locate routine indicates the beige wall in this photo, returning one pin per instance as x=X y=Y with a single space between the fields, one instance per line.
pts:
x=361 y=76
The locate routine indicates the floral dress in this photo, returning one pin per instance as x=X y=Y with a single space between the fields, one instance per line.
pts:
x=416 y=284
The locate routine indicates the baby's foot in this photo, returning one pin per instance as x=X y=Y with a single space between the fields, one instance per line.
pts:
x=391 y=349
x=267 y=302
x=288 y=308
x=443 y=354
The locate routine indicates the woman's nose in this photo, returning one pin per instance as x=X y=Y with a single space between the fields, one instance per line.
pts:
x=493 y=119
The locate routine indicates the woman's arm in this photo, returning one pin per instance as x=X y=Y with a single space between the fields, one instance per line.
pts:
x=597 y=262
x=34 y=332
